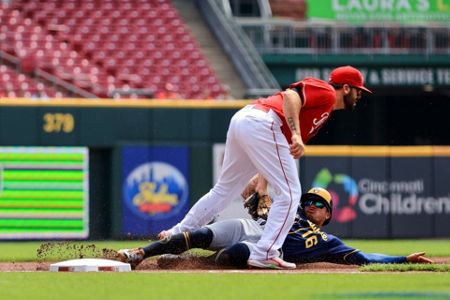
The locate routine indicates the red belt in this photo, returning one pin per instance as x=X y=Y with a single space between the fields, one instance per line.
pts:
x=261 y=107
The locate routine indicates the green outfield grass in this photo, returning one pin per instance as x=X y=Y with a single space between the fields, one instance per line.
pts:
x=434 y=248
x=405 y=267
x=223 y=286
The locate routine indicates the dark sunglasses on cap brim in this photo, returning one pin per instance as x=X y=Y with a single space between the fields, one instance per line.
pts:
x=316 y=203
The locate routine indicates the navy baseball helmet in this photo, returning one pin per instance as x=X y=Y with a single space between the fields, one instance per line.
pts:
x=322 y=195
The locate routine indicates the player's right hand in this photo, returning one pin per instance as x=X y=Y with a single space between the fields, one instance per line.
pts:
x=297 y=148
x=419 y=257
x=164 y=235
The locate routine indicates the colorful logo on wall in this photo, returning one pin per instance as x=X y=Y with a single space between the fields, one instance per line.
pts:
x=155 y=190
x=346 y=212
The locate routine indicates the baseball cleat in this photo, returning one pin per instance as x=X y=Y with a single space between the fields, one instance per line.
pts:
x=272 y=263
x=132 y=256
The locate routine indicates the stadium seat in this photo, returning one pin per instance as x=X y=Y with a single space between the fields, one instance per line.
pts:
x=86 y=42
x=15 y=84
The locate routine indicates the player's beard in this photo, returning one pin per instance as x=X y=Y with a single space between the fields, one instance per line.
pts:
x=349 y=102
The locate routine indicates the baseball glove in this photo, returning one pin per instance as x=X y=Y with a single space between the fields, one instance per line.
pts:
x=258 y=205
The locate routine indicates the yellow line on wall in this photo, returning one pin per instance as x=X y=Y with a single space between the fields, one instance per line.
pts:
x=378 y=151
x=128 y=103
x=441 y=151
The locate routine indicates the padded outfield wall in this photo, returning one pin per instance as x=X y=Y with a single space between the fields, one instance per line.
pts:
x=150 y=160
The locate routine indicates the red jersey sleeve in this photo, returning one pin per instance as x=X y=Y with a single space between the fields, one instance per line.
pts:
x=319 y=98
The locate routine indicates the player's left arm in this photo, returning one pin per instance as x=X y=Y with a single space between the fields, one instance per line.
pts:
x=292 y=105
x=340 y=253
x=361 y=258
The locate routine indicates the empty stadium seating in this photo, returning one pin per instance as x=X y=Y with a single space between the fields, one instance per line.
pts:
x=15 y=85
x=102 y=46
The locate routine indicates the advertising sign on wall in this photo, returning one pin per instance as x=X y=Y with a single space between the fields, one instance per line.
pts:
x=384 y=193
x=363 y=11
x=155 y=185
x=388 y=76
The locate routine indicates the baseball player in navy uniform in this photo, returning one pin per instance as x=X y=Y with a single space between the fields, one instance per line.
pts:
x=305 y=243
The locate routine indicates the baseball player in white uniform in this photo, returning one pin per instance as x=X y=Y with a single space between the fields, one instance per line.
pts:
x=266 y=137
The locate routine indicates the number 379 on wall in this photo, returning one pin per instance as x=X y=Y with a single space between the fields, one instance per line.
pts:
x=58 y=122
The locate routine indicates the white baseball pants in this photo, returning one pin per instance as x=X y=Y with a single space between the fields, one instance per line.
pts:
x=255 y=144
x=226 y=233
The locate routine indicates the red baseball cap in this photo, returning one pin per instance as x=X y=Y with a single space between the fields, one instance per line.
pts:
x=348 y=75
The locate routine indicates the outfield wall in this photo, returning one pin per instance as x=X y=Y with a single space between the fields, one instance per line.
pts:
x=108 y=126
x=150 y=160
x=384 y=192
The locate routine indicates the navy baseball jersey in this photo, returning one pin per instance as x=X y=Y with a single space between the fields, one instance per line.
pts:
x=306 y=243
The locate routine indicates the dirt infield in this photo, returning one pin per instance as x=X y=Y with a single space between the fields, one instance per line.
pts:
x=198 y=265
x=62 y=251
x=152 y=266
